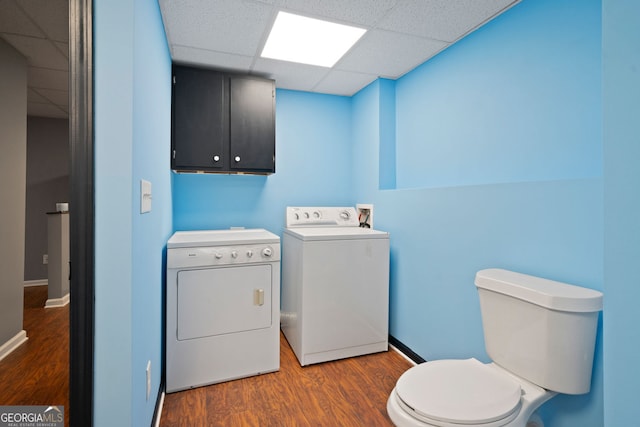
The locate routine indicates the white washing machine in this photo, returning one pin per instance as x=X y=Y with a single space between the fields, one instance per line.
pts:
x=222 y=306
x=335 y=285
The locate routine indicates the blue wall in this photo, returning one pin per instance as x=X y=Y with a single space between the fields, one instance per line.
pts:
x=496 y=153
x=621 y=110
x=514 y=102
x=498 y=164
x=490 y=155
x=132 y=141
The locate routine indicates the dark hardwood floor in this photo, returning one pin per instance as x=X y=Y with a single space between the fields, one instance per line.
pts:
x=37 y=372
x=349 y=392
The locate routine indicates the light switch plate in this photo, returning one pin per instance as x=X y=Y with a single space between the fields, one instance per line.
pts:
x=145 y=196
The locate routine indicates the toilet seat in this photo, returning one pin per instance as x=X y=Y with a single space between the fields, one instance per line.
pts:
x=458 y=393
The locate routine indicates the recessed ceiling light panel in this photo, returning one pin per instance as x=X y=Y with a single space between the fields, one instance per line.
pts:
x=310 y=41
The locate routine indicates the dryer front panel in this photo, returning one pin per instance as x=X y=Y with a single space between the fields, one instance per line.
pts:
x=225 y=300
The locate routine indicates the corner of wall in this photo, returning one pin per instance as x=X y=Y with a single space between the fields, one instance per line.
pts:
x=387 y=149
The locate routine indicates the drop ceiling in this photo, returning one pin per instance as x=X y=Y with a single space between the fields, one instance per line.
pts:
x=229 y=34
x=401 y=34
x=39 y=30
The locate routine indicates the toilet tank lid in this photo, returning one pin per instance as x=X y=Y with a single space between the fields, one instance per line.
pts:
x=543 y=292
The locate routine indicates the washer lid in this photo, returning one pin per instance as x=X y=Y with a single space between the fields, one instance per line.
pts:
x=459 y=391
x=335 y=233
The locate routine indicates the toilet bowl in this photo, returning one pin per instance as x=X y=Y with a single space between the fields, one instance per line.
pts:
x=540 y=335
x=456 y=393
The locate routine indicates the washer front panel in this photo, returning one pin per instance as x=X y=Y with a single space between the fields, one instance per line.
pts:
x=335 y=296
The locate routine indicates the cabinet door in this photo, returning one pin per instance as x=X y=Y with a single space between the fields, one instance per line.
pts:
x=252 y=124
x=198 y=128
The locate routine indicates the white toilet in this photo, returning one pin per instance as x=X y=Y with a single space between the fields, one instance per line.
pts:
x=540 y=335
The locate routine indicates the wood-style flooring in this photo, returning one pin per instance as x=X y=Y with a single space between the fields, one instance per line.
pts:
x=37 y=372
x=349 y=392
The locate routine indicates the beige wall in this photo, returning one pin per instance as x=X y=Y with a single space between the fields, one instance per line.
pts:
x=13 y=166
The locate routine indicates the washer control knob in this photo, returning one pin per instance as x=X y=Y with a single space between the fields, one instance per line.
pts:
x=249 y=253
x=234 y=254
x=218 y=255
x=267 y=252
x=345 y=215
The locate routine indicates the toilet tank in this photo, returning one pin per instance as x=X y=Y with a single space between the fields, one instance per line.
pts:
x=538 y=329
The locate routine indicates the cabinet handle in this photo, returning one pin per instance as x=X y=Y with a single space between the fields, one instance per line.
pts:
x=216 y=158
x=237 y=159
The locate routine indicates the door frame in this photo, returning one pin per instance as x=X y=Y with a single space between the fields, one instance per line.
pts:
x=82 y=290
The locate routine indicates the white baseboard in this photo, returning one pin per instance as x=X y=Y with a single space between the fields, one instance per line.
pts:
x=159 y=411
x=13 y=343
x=57 y=302
x=39 y=282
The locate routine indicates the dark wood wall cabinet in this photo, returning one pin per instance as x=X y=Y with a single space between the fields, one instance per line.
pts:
x=222 y=122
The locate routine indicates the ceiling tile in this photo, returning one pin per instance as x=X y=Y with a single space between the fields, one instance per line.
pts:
x=35 y=97
x=344 y=82
x=358 y=12
x=58 y=97
x=39 y=52
x=231 y=26
x=46 y=78
x=52 y=17
x=63 y=48
x=289 y=75
x=444 y=20
x=189 y=55
x=13 y=20
x=46 y=110
x=388 y=54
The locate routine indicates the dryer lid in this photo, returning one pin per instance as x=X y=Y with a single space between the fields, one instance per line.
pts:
x=459 y=391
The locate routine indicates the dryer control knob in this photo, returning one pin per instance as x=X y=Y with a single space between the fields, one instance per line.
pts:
x=267 y=252
x=249 y=253
x=234 y=254
x=218 y=255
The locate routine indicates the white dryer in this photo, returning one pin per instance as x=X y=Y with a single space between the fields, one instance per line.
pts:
x=335 y=285
x=223 y=306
